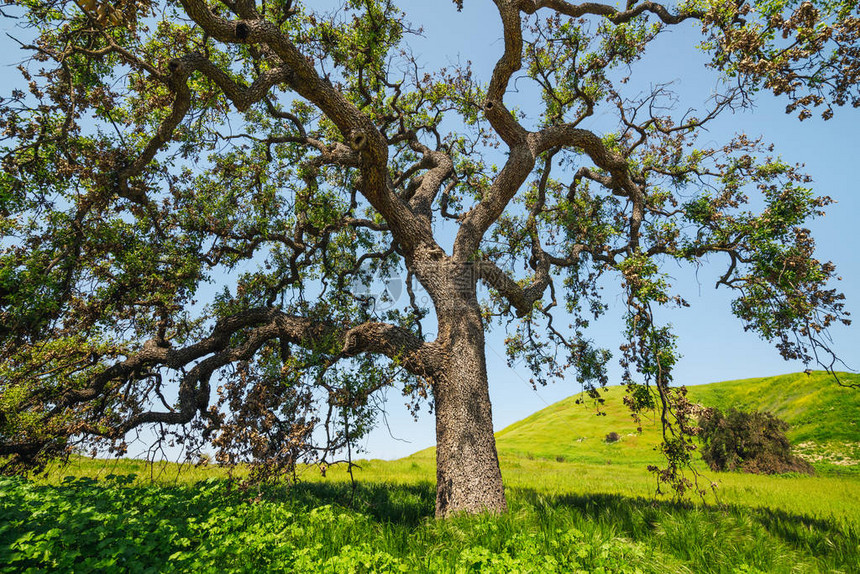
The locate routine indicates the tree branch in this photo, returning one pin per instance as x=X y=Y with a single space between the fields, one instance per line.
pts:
x=611 y=13
x=521 y=298
x=358 y=130
x=263 y=324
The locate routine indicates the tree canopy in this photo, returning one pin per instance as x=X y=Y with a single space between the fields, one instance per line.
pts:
x=202 y=203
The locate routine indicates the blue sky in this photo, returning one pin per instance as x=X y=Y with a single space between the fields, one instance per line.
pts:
x=711 y=340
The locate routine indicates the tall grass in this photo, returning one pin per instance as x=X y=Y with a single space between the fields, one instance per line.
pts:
x=88 y=525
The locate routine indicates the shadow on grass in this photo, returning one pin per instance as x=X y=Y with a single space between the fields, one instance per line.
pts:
x=399 y=504
x=687 y=523
x=411 y=504
x=708 y=538
x=636 y=518
x=625 y=511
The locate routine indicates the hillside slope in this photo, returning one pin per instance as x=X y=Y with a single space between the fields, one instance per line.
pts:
x=815 y=406
x=824 y=419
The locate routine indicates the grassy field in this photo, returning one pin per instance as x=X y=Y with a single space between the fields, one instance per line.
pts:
x=577 y=504
x=823 y=417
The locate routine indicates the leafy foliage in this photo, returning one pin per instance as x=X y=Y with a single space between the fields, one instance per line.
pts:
x=748 y=441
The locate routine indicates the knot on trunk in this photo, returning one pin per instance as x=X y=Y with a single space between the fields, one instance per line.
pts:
x=353 y=343
x=357 y=140
x=176 y=67
x=243 y=30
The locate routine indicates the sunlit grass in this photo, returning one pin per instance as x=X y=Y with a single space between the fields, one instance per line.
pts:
x=824 y=497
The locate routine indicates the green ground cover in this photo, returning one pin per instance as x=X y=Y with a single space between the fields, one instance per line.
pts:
x=576 y=506
x=96 y=526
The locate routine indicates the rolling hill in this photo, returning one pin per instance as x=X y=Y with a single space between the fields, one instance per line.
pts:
x=824 y=420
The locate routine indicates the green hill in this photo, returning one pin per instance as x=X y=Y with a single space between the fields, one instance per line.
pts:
x=824 y=420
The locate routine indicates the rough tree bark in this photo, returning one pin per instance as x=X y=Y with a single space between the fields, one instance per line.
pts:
x=468 y=478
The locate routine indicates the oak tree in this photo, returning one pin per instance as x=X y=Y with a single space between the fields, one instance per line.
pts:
x=203 y=202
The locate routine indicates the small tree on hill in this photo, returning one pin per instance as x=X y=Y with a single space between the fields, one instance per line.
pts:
x=199 y=197
x=753 y=442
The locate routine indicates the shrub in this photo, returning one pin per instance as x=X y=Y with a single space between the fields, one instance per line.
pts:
x=752 y=442
x=612 y=437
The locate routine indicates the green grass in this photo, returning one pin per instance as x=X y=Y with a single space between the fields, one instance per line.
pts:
x=93 y=526
x=575 y=506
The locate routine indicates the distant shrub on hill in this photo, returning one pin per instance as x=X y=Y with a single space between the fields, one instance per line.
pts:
x=753 y=442
x=612 y=437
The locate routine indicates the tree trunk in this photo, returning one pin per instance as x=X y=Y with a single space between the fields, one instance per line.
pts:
x=468 y=478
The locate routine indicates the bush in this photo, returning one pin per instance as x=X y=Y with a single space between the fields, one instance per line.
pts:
x=752 y=442
x=612 y=437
